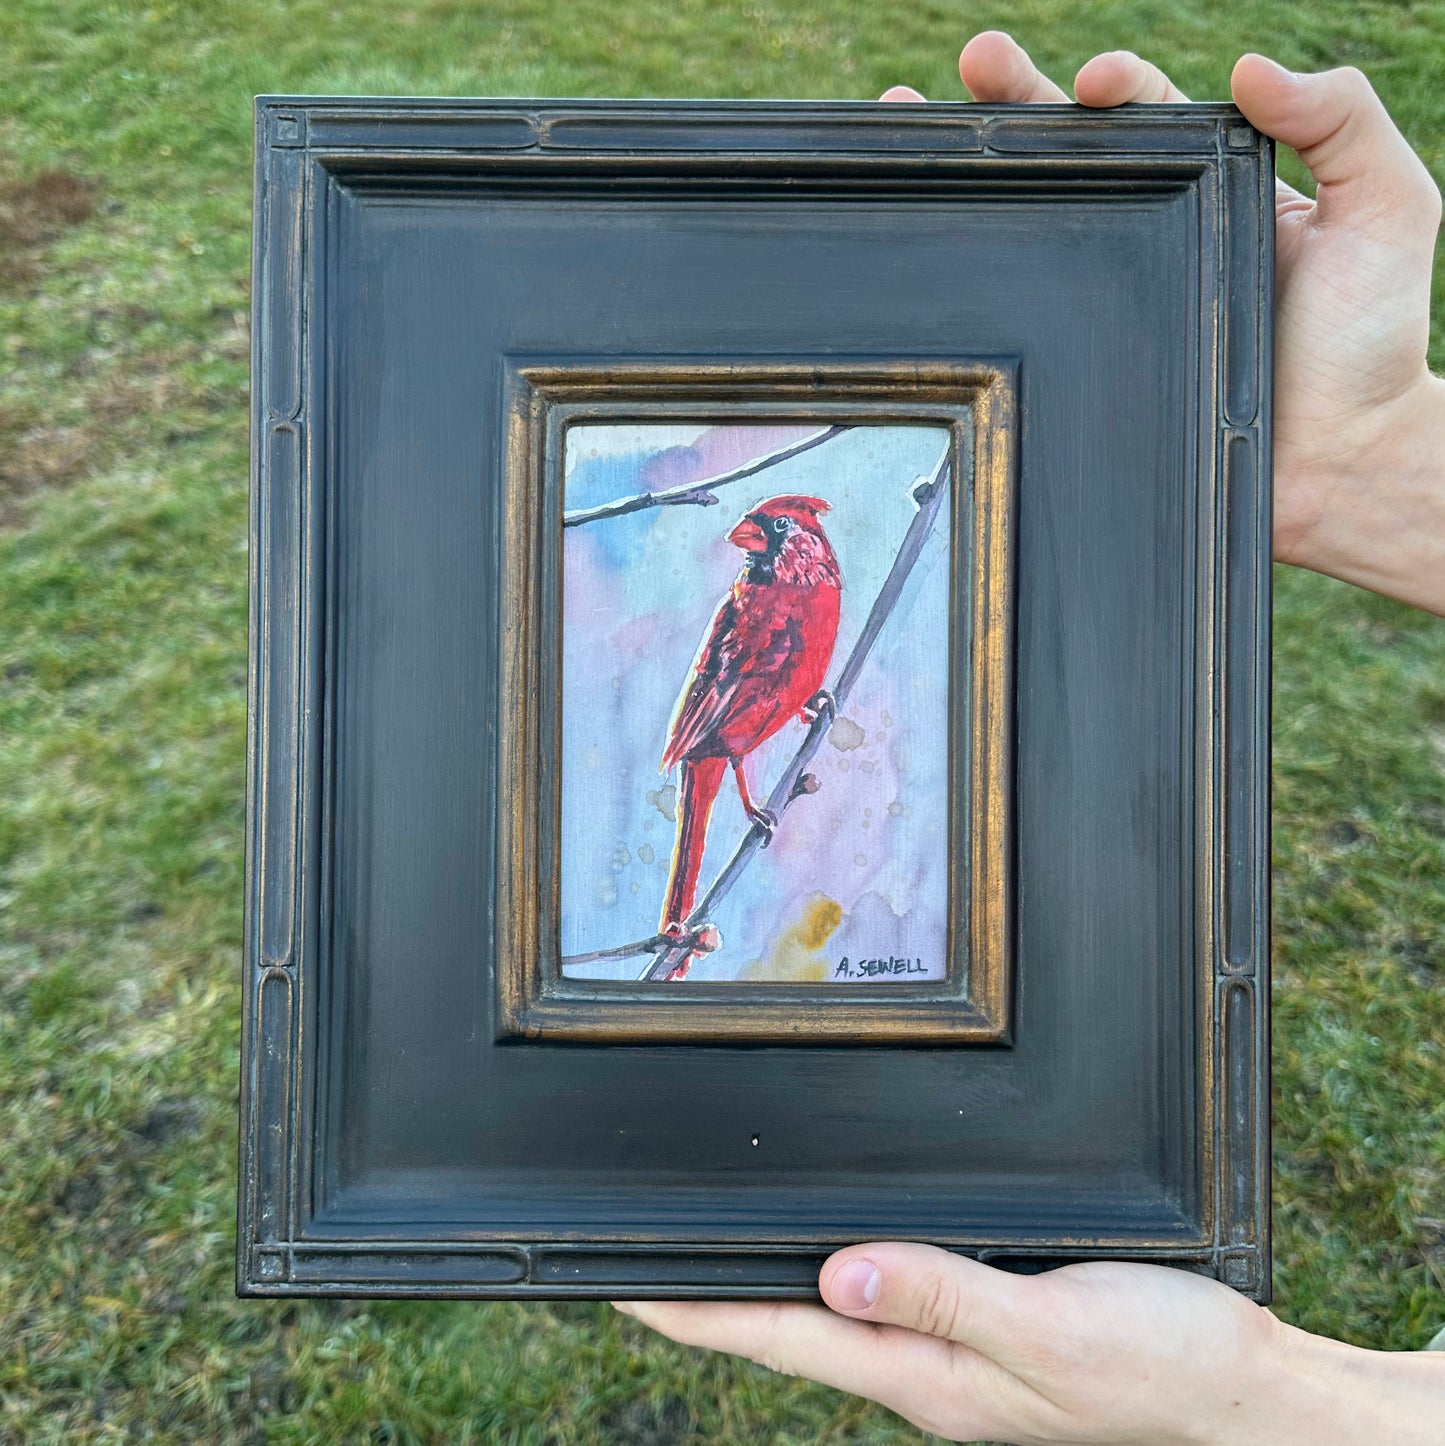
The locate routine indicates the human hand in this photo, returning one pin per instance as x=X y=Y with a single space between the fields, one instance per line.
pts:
x=1088 y=1353
x=1359 y=421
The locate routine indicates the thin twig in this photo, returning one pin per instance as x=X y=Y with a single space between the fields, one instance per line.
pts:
x=619 y=951
x=699 y=494
x=926 y=496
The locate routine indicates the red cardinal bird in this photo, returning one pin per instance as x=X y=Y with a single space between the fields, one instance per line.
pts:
x=761 y=663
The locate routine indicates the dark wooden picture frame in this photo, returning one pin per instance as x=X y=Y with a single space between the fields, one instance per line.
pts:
x=428 y=1106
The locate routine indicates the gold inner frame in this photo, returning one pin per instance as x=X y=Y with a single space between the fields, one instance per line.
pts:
x=972 y=1004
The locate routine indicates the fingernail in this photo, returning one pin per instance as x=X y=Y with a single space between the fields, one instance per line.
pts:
x=1278 y=68
x=624 y=1307
x=855 y=1287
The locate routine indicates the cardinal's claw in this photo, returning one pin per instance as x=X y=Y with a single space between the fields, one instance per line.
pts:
x=820 y=703
x=765 y=821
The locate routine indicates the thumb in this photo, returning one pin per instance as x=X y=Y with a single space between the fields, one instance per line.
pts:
x=936 y=1292
x=1364 y=168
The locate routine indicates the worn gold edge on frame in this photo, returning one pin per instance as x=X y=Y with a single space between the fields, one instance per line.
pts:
x=994 y=453
x=759 y=1013
x=533 y=1000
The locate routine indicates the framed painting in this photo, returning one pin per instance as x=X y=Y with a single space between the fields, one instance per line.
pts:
x=759 y=693
x=841 y=638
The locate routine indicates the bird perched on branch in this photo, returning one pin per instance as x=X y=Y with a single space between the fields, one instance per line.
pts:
x=762 y=662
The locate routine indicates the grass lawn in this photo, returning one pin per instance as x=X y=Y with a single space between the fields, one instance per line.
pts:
x=124 y=255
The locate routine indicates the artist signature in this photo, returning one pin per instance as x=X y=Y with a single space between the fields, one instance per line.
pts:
x=847 y=968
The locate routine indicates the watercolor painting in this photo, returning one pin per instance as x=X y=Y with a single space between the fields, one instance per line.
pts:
x=756 y=702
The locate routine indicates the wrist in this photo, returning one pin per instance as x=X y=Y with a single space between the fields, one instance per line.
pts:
x=1377 y=505
x=1319 y=1392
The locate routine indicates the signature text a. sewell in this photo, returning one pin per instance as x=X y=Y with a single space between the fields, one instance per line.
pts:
x=847 y=968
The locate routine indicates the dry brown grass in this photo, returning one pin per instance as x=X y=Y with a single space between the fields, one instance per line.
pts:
x=34 y=212
x=108 y=387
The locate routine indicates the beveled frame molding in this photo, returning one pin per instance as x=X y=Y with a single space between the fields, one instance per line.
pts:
x=976 y=403
x=312 y=153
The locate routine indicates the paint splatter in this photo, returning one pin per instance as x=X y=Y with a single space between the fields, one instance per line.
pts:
x=796 y=955
x=664 y=800
x=845 y=734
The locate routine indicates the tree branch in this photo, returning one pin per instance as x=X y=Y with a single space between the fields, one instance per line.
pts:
x=620 y=951
x=927 y=496
x=698 y=494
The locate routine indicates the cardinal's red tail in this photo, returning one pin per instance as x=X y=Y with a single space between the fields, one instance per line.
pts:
x=701 y=779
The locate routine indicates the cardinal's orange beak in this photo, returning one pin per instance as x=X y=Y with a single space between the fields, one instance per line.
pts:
x=748 y=536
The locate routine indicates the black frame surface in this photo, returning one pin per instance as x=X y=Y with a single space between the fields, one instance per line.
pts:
x=410 y=255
